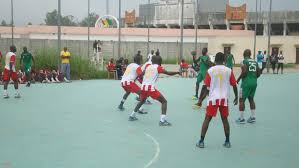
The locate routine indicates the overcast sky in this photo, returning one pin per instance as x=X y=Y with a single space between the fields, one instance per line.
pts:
x=35 y=10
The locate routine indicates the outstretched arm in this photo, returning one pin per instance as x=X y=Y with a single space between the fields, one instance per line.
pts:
x=170 y=73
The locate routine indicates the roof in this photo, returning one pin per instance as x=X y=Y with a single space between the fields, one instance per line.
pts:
x=160 y=32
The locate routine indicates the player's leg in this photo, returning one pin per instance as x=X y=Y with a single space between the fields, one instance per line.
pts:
x=121 y=105
x=163 y=101
x=196 y=91
x=16 y=84
x=278 y=67
x=204 y=129
x=6 y=79
x=137 y=108
x=242 y=98
x=28 y=75
x=281 y=68
x=224 y=114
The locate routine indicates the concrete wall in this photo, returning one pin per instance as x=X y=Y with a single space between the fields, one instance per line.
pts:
x=287 y=44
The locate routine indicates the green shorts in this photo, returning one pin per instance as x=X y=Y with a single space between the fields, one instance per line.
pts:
x=27 y=68
x=247 y=91
x=200 y=77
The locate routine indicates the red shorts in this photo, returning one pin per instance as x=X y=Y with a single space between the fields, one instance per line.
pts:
x=212 y=110
x=132 y=88
x=7 y=75
x=153 y=94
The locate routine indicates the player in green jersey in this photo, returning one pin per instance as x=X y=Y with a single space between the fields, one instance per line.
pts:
x=249 y=75
x=204 y=64
x=230 y=60
x=26 y=63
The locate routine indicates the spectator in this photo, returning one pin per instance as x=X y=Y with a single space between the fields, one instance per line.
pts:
x=95 y=46
x=280 y=62
x=118 y=67
x=264 y=60
x=273 y=60
x=65 y=64
x=125 y=64
x=229 y=60
x=260 y=59
x=158 y=52
x=150 y=55
x=111 y=65
x=184 y=68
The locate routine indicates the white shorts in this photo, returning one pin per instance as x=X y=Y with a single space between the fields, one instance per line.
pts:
x=260 y=64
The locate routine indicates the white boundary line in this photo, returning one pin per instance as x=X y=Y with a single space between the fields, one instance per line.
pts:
x=154 y=159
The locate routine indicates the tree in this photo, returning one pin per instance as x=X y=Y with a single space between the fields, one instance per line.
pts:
x=3 y=23
x=29 y=23
x=93 y=18
x=51 y=19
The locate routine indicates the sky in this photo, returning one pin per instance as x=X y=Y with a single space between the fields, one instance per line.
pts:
x=34 y=11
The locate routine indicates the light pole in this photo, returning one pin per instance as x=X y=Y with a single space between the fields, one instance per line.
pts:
x=196 y=24
x=119 y=30
x=12 y=24
x=255 y=29
x=182 y=30
x=107 y=7
x=59 y=30
x=269 y=36
x=148 y=28
x=88 y=29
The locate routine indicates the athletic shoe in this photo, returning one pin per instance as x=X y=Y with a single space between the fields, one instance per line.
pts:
x=28 y=84
x=148 y=102
x=121 y=108
x=227 y=144
x=137 y=98
x=66 y=80
x=142 y=112
x=240 y=121
x=133 y=118
x=194 y=98
x=17 y=95
x=164 y=123
x=251 y=120
x=200 y=144
x=5 y=96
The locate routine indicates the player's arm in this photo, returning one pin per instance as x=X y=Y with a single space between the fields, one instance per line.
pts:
x=243 y=73
x=170 y=73
x=233 y=83
x=205 y=90
x=258 y=71
x=234 y=59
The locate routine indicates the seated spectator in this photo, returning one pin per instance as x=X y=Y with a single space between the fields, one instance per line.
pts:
x=184 y=68
x=119 y=68
x=111 y=66
x=21 y=77
x=124 y=65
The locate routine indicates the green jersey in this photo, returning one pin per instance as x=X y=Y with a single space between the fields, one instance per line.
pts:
x=229 y=61
x=26 y=58
x=251 y=76
x=202 y=63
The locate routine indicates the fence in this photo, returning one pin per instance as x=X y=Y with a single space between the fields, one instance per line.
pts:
x=169 y=50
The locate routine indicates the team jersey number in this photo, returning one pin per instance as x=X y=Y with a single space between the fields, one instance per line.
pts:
x=252 y=67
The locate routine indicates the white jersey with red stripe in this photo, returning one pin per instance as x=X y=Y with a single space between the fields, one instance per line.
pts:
x=10 y=59
x=219 y=79
x=144 y=66
x=150 y=77
x=132 y=72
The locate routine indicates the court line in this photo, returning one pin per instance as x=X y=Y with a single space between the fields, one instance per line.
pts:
x=154 y=159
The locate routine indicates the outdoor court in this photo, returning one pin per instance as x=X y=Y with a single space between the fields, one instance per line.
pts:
x=77 y=125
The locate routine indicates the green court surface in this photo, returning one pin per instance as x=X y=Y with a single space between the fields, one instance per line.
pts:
x=77 y=125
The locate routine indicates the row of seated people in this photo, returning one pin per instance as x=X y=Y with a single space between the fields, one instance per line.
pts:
x=117 y=68
x=188 y=70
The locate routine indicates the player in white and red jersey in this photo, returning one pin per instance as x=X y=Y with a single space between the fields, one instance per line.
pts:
x=148 y=89
x=132 y=72
x=10 y=72
x=217 y=85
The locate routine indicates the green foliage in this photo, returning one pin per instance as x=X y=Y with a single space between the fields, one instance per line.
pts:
x=51 y=19
x=3 y=23
x=93 y=19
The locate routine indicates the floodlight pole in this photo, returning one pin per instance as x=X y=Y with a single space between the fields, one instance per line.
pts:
x=59 y=31
x=269 y=36
x=255 y=29
x=148 y=28
x=119 y=29
x=182 y=30
x=196 y=24
x=12 y=23
x=107 y=7
x=88 y=29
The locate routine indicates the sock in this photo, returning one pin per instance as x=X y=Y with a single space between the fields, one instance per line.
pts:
x=17 y=91
x=252 y=112
x=5 y=92
x=226 y=137
x=140 y=109
x=133 y=114
x=241 y=115
x=162 y=119
x=122 y=101
x=202 y=138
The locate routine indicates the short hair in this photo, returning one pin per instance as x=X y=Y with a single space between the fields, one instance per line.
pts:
x=204 y=51
x=157 y=60
x=137 y=59
x=247 y=53
x=219 y=58
x=13 y=48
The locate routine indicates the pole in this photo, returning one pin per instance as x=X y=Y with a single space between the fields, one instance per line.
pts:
x=59 y=30
x=107 y=7
x=12 y=23
x=255 y=29
x=196 y=24
x=119 y=30
x=269 y=36
x=88 y=36
x=148 y=27
x=182 y=30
